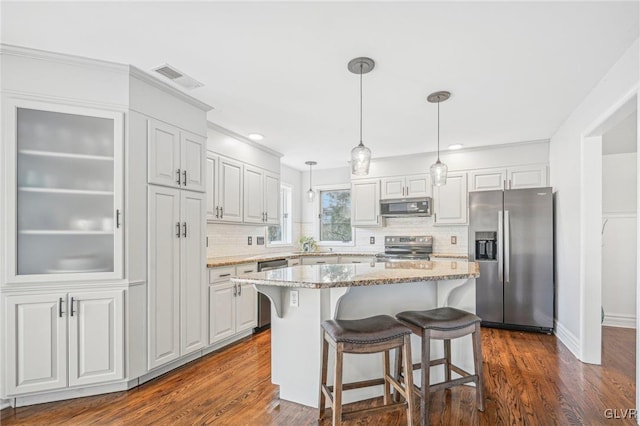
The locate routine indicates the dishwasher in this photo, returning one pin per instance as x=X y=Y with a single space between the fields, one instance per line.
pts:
x=264 y=304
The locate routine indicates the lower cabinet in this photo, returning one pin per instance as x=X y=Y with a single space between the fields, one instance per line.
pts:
x=319 y=260
x=63 y=339
x=357 y=259
x=233 y=308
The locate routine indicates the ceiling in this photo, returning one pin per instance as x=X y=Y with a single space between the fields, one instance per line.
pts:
x=516 y=70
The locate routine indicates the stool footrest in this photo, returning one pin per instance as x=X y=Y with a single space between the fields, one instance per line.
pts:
x=358 y=385
x=454 y=382
x=375 y=410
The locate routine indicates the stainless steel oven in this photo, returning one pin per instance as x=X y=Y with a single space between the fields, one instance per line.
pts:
x=264 y=304
x=406 y=247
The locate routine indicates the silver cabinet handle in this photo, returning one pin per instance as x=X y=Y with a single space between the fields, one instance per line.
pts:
x=178 y=229
x=221 y=213
x=246 y=272
x=320 y=262
x=178 y=176
x=71 y=311
x=60 y=311
x=239 y=289
x=184 y=177
x=507 y=246
x=224 y=275
x=266 y=216
x=217 y=212
x=184 y=229
x=500 y=253
x=509 y=183
x=235 y=290
x=117 y=218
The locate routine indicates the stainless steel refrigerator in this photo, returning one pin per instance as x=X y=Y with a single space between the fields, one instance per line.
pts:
x=511 y=237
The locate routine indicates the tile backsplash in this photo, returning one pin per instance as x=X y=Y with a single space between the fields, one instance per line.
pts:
x=231 y=240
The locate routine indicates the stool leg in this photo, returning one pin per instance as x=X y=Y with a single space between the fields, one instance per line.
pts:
x=387 y=373
x=337 y=387
x=424 y=386
x=398 y=372
x=408 y=378
x=477 y=358
x=447 y=360
x=323 y=376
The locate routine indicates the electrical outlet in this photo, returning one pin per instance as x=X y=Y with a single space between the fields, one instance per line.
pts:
x=249 y=240
x=454 y=239
x=372 y=240
x=260 y=241
x=293 y=298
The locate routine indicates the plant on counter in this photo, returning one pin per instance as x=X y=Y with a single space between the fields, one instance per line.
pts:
x=308 y=244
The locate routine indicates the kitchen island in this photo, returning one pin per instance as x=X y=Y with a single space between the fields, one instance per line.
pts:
x=304 y=296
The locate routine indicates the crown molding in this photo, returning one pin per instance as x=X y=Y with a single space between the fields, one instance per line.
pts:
x=218 y=128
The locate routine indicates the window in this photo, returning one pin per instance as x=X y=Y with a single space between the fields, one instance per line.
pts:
x=335 y=216
x=281 y=234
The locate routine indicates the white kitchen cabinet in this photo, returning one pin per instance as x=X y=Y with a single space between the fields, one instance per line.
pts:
x=365 y=202
x=319 y=260
x=450 y=201
x=230 y=191
x=293 y=262
x=232 y=307
x=405 y=186
x=176 y=289
x=64 y=190
x=357 y=259
x=176 y=157
x=212 y=166
x=261 y=196
x=529 y=176
x=58 y=340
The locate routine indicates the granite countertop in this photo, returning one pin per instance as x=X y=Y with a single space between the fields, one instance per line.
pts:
x=362 y=274
x=213 y=262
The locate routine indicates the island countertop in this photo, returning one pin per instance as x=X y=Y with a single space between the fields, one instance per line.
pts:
x=362 y=274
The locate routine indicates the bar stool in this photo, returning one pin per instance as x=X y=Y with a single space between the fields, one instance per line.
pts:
x=380 y=333
x=443 y=324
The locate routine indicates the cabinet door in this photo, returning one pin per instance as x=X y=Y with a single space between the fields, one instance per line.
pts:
x=164 y=275
x=164 y=154
x=487 y=180
x=365 y=203
x=96 y=337
x=418 y=186
x=193 y=150
x=450 y=201
x=319 y=260
x=230 y=191
x=392 y=187
x=272 y=198
x=193 y=273
x=246 y=307
x=36 y=343
x=212 y=186
x=222 y=311
x=253 y=195
x=533 y=176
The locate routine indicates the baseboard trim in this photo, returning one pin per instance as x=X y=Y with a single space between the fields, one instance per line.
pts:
x=624 y=321
x=568 y=339
x=21 y=401
x=4 y=403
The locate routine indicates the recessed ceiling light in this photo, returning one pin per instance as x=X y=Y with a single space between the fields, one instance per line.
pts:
x=455 y=146
x=255 y=136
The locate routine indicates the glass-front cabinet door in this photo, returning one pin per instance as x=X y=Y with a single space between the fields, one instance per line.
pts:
x=67 y=192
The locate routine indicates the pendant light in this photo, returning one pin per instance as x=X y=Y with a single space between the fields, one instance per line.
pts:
x=311 y=195
x=438 y=169
x=360 y=155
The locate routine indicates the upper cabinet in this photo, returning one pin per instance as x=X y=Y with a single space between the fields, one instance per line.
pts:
x=64 y=191
x=261 y=194
x=405 y=186
x=230 y=187
x=176 y=157
x=529 y=176
x=450 y=201
x=365 y=202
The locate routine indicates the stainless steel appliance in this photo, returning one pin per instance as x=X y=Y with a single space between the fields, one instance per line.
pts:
x=406 y=248
x=264 y=304
x=406 y=207
x=511 y=237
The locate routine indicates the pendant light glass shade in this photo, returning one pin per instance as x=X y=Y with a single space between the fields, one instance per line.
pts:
x=360 y=155
x=311 y=195
x=438 y=169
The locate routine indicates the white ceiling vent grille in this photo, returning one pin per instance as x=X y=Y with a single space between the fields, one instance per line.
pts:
x=178 y=77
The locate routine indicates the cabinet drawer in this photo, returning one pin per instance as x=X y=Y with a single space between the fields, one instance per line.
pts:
x=246 y=268
x=294 y=262
x=221 y=274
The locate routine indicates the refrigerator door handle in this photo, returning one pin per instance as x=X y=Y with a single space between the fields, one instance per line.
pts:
x=507 y=246
x=500 y=253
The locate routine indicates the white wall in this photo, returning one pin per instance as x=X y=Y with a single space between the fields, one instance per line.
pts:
x=565 y=173
x=619 y=200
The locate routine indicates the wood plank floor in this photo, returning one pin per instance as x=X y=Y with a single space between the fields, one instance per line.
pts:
x=531 y=379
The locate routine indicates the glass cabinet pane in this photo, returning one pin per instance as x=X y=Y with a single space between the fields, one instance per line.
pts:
x=65 y=194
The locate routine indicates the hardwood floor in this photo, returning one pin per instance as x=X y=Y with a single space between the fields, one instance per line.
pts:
x=530 y=379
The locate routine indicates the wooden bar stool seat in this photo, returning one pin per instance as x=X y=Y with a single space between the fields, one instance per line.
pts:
x=380 y=333
x=443 y=324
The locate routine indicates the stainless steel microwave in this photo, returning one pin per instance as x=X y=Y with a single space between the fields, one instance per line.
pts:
x=408 y=207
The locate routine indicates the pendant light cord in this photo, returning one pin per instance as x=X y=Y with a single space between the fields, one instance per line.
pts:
x=361 y=69
x=438 y=130
x=310 y=177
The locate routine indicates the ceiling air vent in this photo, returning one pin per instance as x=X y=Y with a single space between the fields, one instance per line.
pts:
x=178 y=77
